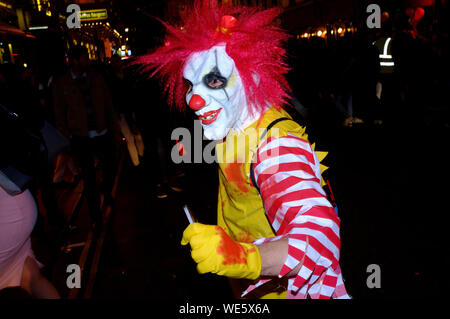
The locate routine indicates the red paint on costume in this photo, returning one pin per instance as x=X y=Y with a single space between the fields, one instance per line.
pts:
x=232 y=252
x=235 y=175
x=245 y=237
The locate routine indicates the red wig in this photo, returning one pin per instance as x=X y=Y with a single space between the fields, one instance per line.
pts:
x=252 y=42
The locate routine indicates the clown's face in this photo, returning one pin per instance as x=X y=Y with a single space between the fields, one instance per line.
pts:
x=216 y=92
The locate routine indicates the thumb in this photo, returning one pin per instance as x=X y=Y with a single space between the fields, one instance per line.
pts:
x=185 y=239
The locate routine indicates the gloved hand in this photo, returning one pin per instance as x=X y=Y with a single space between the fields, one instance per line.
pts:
x=214 y=251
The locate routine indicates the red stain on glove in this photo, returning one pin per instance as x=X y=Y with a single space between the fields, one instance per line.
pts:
x=232 y=252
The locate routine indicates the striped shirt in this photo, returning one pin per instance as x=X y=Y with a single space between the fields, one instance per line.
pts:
x=287 y=172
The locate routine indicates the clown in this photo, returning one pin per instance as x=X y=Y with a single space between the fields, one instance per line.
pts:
x=277 y=234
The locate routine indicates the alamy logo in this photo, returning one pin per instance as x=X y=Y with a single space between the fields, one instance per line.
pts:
x=237 y=147
x=74 y=279
x=374 y=19
x=374 y=279
x=73 y=20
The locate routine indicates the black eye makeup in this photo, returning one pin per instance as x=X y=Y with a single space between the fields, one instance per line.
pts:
x=214 y=80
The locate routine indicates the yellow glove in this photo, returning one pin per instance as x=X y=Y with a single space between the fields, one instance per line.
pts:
x=214 y=251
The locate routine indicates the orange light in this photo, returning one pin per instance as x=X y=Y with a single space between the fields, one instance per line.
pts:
x=340 y=30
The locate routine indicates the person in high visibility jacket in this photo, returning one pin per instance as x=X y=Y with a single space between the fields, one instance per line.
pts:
x=277 y=235
x=386 y=87
x=387 y=63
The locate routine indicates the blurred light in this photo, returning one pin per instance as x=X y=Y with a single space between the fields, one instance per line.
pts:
x=332 y=31
x=6 y=5
x=166 y=44
x=25 y=65
x=44 y=27
x=305 y=34
x=340 y=30
x=126 y=39
x=126 y=29
x=129 y=52
x=319 y=33
x=123 y=47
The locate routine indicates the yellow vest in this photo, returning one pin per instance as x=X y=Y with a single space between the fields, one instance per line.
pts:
x=386 y=61
x=240 y=208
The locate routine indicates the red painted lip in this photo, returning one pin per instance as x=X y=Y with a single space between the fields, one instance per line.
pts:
x=204 y=116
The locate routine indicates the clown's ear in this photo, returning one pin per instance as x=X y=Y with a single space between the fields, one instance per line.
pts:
x=256 y=78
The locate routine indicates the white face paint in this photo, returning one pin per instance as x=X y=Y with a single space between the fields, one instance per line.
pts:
x=217 y=94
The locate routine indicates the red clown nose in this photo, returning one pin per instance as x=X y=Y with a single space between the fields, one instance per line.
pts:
x=196 y=102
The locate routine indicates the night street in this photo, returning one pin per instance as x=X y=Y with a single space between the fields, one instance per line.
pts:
x=231 y=151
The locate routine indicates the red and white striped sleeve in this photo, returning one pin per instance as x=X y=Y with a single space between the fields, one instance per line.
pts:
x=287 y=172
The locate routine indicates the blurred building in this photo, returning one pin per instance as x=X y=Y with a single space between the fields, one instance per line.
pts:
x=329 y=19
x=298 y=16
x=37 y=30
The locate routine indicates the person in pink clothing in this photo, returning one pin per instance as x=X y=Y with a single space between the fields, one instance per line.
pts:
x=18 y=265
